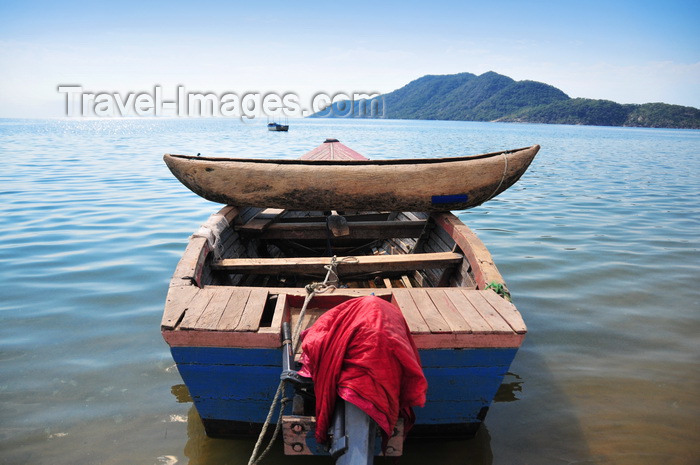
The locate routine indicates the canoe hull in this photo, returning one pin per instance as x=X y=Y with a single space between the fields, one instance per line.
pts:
x=428 y=185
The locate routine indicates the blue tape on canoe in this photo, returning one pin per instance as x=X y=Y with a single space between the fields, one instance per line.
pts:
x=449 y=198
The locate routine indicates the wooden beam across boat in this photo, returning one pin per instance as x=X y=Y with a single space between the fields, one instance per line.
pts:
x=358 y=230
x=346 y=265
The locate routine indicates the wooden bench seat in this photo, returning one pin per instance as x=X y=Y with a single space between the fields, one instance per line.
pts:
x=346 y=265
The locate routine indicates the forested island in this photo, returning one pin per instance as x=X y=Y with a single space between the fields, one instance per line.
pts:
x=494 y=97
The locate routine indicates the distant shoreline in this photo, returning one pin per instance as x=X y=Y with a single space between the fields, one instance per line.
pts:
x=492 y=97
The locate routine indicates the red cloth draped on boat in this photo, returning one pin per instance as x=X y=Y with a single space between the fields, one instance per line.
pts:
x=362 y=350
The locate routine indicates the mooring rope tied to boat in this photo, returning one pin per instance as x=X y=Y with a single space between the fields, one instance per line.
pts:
x=311 y=290
x=503 y=178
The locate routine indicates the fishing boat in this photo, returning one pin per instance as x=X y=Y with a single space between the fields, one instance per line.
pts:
x=277 y=127
x=245 y=276
x=426 y=185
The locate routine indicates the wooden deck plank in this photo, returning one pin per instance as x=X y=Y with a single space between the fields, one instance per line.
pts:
x=468 y=311
x=176 y=303
x=209 y=319
x=234 y=310
x=432 y=316
x=402 y=298
x=361 y=264
x=196 y=308
x=507 y=310
x=448 y=311
x=250 y=320
x=492 y=317
x=262 y=220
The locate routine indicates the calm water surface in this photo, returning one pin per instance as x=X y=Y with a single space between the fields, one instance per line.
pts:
x=598 y=243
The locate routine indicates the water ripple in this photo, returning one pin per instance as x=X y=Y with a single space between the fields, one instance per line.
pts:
x=598 y=243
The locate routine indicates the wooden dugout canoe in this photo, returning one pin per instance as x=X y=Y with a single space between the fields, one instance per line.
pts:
x=428 y=185
x=243 y=274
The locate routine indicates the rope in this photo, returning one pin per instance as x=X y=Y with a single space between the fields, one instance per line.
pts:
x=311 y=290
x=503 y=178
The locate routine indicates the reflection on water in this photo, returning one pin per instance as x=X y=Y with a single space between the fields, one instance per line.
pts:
x=202 y=450
x=181 y=393
x=508 y=389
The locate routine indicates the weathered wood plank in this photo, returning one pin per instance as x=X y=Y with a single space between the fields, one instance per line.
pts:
x=414 y=216
x=247 y=213
x=249 y=339
x=468 y=311
x=507 y=310
x=262 y=220
x=312 y=314
x=448 y=311
x=436 y=244
x=443 y=236
x=209 y=319
x=250 y=320
x=297 y=294
x=358 y=230
x=402 y=298
x=361 y=264
x=492 y=317
x=467 y=340
x=196 y=308
x=234 y=310
x=176 y=303
x=432 y=316
x=199 y=338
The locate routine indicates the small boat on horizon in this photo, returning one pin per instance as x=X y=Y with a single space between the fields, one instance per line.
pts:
x=276 y=127
x=245 y=274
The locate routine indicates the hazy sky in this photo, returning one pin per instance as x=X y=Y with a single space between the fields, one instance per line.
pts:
x=627 y=51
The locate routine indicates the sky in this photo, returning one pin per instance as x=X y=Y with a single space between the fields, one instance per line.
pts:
x=626 y=51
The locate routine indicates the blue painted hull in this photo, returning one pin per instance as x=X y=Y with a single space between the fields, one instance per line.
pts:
x=232 y=388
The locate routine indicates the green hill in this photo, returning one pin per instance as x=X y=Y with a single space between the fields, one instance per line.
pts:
x=493 y=97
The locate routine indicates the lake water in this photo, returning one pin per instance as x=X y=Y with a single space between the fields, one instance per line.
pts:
x=598 y=243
